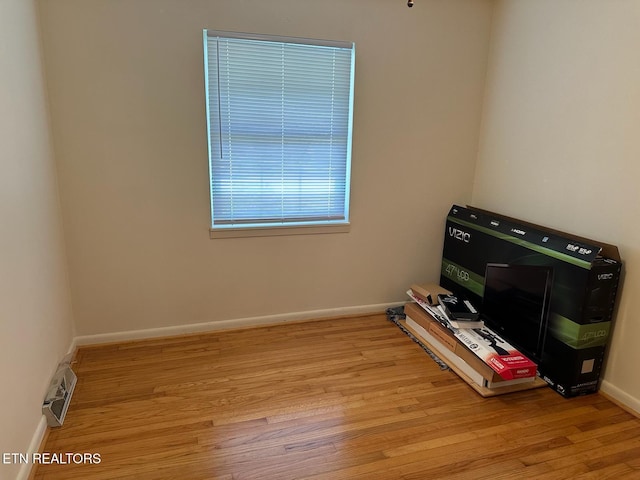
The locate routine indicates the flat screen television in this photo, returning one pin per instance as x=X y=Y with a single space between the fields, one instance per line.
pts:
x=515 y=304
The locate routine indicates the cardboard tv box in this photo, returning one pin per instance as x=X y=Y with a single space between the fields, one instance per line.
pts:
x=586 y=274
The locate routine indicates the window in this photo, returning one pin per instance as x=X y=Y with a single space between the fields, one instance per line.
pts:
x=279 y=115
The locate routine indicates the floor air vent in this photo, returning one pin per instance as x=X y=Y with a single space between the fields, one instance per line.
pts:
x=59 y=394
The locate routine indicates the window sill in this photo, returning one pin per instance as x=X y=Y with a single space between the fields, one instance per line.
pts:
x=240 y=232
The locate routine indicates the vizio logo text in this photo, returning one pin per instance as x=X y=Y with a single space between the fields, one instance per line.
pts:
x=459 y=235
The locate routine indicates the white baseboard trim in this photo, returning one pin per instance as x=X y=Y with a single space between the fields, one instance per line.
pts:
x=230 y=324
x=36 y=440
x=621 y=397
x=38 y=435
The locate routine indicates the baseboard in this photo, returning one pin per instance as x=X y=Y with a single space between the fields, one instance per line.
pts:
x=620 y=397
x=34 y=447
x=39 y=436
x=230 y=324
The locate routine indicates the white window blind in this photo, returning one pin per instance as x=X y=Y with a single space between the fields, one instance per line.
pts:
x=279 y=117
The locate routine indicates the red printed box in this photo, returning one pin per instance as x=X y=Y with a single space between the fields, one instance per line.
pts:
x=501 y=356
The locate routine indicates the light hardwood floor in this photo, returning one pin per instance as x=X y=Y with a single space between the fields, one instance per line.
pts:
x=350 y=398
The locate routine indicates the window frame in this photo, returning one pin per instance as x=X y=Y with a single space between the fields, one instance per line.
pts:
x=286 y=227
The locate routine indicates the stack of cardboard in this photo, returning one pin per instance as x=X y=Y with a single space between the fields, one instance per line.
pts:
x=481 y=357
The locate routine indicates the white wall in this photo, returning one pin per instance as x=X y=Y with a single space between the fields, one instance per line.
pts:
x=35 y=310
x=126 y=85
x=561 y=138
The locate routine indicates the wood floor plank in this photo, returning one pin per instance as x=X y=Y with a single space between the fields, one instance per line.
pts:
x=343 y=398
x=613 y=471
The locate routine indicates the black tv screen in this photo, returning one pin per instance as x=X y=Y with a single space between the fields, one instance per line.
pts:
x=515 y=304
